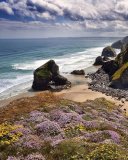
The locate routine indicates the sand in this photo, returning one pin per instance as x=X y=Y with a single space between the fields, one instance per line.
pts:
x=79 y=92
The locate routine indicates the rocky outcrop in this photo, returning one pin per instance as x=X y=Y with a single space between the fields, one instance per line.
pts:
x=108 y=52
x=98 y=61
x=112 y=66
x=78 y=72
x=117 y=44
x=47 y=77
x=125 y=39
x=120 y=77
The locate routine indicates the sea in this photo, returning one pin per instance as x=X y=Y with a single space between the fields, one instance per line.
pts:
x=20 y=57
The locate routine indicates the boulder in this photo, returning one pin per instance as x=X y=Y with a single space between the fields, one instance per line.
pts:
x=108 y=52
x=78 y=72
x=117 y=44
x=47 y=76
x=98 y=61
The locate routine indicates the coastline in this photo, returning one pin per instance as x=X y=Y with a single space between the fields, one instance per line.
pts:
x=75 y=80
x=79 y=91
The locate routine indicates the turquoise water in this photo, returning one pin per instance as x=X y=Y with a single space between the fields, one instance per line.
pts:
x=19 y=58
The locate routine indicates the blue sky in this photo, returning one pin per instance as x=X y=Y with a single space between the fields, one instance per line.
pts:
x=63 y=18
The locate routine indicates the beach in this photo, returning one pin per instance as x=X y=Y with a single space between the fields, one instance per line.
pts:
x=79 y=92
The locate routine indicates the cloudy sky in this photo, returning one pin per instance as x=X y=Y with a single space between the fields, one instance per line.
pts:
x=63 y=18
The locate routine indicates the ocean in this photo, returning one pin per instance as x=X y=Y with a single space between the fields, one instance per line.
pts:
x=20 y=57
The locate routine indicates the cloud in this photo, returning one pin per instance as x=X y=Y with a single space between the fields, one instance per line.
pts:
x=74 y=10
x=5 y=8
x=87 y=16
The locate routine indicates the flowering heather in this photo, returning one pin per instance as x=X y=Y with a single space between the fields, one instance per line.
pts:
x=114 y=136
x=34 y=156
x=66 y=118
x=95 y=137
x=24 y=131
x=47 y=129
x=67 y=130
x=65 y=109
x=30 y=141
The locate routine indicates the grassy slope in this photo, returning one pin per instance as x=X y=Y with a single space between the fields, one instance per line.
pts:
x=60 y=129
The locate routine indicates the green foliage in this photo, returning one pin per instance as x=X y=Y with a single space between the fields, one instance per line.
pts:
x=87 y=118
x=72 y=131
x=43 y=73
x=106 y=104
x=120 y=71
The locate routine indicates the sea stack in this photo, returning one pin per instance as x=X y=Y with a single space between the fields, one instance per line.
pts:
x=108 y=52
x=47 y=77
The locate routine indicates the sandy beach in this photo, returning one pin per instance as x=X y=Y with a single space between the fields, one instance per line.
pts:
x=79 y=92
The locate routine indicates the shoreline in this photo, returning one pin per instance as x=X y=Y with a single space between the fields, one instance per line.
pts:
x=75 y=80
x=78 y=92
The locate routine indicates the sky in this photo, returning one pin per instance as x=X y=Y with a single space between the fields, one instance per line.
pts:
x=63 y=18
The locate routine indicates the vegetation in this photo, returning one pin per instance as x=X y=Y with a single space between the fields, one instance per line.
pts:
x=119 y=72
x=43 y=73
x=52 y=128
x=122 y=58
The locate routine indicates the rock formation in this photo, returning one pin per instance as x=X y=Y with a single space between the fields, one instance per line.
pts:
x=117 y=44
x=98 y=61
x=117 y=69
x=108 y=52
x=47 y=77
x=78 y=72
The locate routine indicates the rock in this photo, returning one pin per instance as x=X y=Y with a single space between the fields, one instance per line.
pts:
x=120 y=78
x=78 y=72
x=106 y=58
x=109 y=67
x=117 y=44
x=125 y=39
x=86 y=76
x=112 y=66
x=98 y=61
x=47 y=75
x=108 y=52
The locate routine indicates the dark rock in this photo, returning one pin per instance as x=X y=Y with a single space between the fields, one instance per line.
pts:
x=48 y=75
x=117 y=44
x=98 y=61
x=125 y=39
x=78 y=72
x=108 y=52
x=109 y=67
x=106 y=58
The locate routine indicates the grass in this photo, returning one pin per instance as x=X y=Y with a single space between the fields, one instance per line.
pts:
x=119 y=72
x=43 y=73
